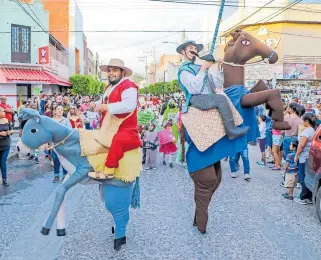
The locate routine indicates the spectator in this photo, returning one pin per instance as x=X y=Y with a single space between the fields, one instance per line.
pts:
x=64 y=121
x=74 y=118
x=262 y=139
x=301 y=156
x=42 y=104
x=7 y=108
x=65 y=105
x=85 y=106
x=5 y=132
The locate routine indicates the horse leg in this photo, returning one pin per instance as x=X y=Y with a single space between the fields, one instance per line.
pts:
x=206 y=181
x=259 y=86
x=61 y=224
x=117 y=201
x=75 y=178
x=273 y=99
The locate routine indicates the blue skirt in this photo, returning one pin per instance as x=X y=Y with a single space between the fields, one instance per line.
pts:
x=197 y=160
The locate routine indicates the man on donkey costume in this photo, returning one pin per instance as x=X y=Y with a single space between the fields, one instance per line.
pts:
x=199 y=83
x=120 y=100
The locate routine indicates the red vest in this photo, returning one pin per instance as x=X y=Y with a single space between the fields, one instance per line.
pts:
x=115 y=96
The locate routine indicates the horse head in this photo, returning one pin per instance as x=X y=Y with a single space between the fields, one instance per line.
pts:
x=38 y=129
x=243 y=47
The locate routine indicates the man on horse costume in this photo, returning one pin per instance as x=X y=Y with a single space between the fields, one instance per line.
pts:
x=229 y=122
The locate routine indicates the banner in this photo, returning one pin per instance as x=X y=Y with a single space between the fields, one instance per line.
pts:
x=44 y=55
x=145 y=117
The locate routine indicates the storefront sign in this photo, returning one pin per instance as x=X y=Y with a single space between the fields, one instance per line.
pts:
x=264 y=71
x=299 y=71
x=271 y=42
x=44 y=55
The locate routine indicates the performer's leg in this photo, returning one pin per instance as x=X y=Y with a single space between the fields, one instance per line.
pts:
x=220 y=102
x=273 y=99
x=122 y=142
x=206 y=182
x=117 y=202
x=75 y=178
x=259 y=86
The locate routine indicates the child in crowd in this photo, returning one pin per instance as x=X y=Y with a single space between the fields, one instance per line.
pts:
x=168 y=148
x=262 y=138
x=150 y=143
x=291 y=171
x=268 y=140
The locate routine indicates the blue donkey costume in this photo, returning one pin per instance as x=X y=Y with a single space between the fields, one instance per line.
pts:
x=118 y=195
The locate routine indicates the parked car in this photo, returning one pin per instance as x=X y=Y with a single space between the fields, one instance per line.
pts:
x=313 y=170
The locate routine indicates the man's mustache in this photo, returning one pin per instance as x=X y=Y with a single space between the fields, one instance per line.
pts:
x=207 y=57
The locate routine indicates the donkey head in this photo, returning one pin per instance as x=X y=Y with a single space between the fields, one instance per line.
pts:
x=34 y=133
x=243 y=47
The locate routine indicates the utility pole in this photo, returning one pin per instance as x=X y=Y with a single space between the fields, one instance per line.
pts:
x=144 y=59
x=153 y=53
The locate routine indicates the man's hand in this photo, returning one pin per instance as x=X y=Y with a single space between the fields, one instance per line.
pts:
x=206 y=65
x=101 y=108
x=296 y=158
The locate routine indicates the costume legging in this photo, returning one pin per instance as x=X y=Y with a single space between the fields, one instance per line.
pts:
x=117 y=201
x=206 y=181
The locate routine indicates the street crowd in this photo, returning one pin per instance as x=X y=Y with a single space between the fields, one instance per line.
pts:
x=162 y=133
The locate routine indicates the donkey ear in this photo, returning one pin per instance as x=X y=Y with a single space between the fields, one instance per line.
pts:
x=27 y=113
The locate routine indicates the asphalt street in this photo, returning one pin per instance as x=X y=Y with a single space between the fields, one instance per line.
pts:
x=248 y=220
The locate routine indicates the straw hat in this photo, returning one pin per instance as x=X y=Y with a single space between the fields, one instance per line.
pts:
x=117 y=63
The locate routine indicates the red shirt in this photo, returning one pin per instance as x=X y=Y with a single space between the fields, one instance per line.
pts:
x=8 y=115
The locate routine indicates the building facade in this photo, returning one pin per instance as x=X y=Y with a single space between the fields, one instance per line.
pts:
x=167 y=66
x=31 y=59
x=66 y=24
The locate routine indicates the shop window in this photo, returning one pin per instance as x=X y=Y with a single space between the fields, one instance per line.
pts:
x=20 y=43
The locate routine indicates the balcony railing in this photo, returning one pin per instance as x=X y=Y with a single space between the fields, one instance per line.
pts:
x=58 y=55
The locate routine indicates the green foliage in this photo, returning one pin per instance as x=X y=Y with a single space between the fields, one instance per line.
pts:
x=86 y=85
x=160 y=88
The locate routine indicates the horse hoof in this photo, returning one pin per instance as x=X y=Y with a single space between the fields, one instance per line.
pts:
x=61 y=232
x=119 y=242
x=112 y=230
x=45 y=231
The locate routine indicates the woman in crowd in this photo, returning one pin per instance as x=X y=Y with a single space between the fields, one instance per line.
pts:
x=301 y=156
x=58 y=112
x=74 y=118
x=5 y=132
x=293 y=117
x=53 y=108
x=262 y=139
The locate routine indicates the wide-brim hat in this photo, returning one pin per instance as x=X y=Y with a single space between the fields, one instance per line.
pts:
x=118 y=64
x=180 y=48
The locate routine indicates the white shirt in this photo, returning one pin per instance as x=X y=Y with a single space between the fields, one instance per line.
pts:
x=194 y=84
x=128 y=101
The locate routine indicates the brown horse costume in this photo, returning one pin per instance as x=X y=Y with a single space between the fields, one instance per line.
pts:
x=205 y=166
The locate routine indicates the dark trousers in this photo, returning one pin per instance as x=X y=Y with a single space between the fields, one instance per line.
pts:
x=206 y=181
x=305 y=192
x=3 y=160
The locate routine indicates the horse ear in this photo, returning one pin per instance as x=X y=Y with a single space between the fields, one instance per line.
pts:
x=27 y=113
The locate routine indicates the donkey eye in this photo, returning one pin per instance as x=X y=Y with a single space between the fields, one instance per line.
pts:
x=34 y=130
x=246 y=42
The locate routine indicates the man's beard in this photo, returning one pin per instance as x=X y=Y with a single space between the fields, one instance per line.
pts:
x=114 y=82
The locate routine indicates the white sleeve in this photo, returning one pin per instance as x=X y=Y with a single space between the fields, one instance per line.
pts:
x=192 y=83
x=127 y=104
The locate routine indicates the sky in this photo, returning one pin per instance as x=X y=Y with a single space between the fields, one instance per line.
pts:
x=141 y=15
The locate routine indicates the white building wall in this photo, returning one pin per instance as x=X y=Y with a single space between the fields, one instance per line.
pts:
x=10 y=91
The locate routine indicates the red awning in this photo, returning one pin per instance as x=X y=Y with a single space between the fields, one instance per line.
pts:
x=14 y=75
x=57 y=80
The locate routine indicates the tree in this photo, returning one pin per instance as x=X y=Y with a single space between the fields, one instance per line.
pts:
x=161 y=88
x=86 y=85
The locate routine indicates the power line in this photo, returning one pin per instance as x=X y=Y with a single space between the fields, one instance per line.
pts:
x=34 y=14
